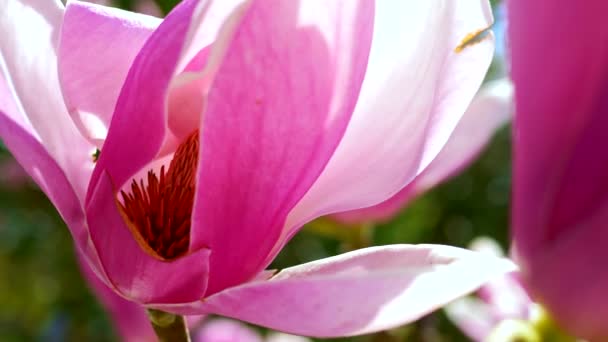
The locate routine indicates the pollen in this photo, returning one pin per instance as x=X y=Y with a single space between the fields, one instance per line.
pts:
x=472 y=38
x=159 y=213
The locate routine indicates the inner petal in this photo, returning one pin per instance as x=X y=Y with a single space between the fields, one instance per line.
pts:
x=158 y=212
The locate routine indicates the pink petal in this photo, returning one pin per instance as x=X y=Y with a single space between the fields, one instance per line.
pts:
x=134 y=273
x=415 y=91
x=145 y=95
x=561 y=119
x=490 y=109
x=129 y=318
x=474 y=317
x=279 y=104
x=130 y=145
x=28 y=61
x=560 y=192
x=568 y=278
x=359 y=292
x=37 y=162
x=98 y=45
x=506 y=295
x=224 y=330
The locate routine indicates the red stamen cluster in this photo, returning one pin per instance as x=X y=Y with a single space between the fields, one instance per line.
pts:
x=161 y=210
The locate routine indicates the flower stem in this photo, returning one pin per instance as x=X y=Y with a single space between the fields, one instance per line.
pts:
x=169 y=327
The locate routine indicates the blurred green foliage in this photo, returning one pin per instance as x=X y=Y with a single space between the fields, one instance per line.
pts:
x=44 y=298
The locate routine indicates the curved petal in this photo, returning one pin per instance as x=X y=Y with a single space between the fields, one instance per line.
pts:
x=359 y=292
x=567 y=278
x=279 y=104
x=30 y=32
x=97 y=46
x=560 y=174
x=131 y=271
x=147 y=89
x=130 y=145
x=416 y=89
x=37 y=162
x=560 y=191
x=490 y=109
x=474 y=317
x=130 y=319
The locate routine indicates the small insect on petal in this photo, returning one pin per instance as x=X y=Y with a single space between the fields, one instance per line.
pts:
x=473 y=38
x=95 y=155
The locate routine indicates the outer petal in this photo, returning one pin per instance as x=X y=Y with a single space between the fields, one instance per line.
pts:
x=560 y=193
x=490 y=109
x=37 y=162
x=359 y=292
x=278 y=107
x=30 y=31
x=415 y=91
x=98 y=45
x=16 y=134
x=129 y=318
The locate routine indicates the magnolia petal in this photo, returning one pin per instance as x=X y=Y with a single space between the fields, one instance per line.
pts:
x=474 y=317
x=566 y=278
x=265 y=138
x=98 y=45
x=560 y=193
x=359 y=292
x=37 y=162
x=416 y=89
x=130 y=145
x=560 y=174
x=132 y=272
x=490 y=109
x=30 y=32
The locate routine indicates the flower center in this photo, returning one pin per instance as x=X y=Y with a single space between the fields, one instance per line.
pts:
x=159 y=213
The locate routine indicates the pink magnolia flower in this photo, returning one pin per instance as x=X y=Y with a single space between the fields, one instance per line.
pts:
x=225 y=127
x=560 y=209
x=499 y=301
x=490 y=109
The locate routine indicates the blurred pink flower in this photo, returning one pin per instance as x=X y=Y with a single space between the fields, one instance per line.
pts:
x=560 y=210
x=490 y=109
x=300 y=109
x=501 y=299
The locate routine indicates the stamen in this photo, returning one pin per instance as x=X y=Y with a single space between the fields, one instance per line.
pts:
x=159 y=213
x=473 y=38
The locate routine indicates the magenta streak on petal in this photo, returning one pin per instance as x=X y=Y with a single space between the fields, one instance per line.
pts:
x=137 y=275
x=266 y=133
x=97 y=46
x=138 y=126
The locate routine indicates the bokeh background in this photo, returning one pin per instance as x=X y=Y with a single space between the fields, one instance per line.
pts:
x=44 y=298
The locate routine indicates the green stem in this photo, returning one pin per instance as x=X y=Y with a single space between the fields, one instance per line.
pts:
x=169 y=327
